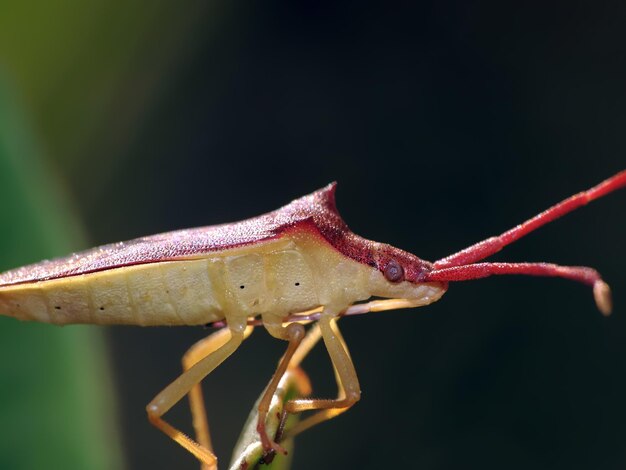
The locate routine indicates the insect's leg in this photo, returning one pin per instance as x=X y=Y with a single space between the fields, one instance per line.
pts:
x=294 y=333
x=302 y=380
x=194 y=354
x=172 y=394
x=347 y=382
x=310 y=340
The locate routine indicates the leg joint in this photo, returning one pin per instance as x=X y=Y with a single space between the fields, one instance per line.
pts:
x=352 y=396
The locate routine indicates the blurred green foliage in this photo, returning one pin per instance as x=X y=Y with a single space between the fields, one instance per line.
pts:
x=55 y=399
x=91 y=69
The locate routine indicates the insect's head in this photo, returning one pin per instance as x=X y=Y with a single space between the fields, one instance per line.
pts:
x=400 y=274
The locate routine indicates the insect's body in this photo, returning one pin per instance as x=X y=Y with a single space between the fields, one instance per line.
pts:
x=281 y=277
x=295 y=259
x=285 y=272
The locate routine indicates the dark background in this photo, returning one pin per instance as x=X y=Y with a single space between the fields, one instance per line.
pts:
x=443 y=123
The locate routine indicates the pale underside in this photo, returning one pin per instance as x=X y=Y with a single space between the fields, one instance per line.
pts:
x=282 y=276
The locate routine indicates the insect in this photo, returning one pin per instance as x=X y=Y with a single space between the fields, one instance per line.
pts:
x=298 y=264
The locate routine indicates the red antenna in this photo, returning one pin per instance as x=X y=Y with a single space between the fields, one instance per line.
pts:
x=463 y=266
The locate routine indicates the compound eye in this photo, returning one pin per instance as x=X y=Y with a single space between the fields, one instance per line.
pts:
x=393 y=271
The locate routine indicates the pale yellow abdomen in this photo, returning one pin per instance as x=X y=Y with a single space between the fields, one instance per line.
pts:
x=169 y=293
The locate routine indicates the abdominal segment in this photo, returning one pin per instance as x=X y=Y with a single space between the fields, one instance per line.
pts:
x=279 y=282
